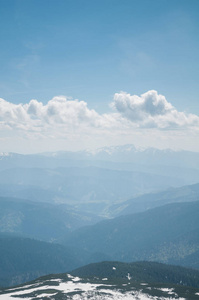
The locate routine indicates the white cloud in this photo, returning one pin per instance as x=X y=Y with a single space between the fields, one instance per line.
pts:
x=59 y=113
x=152 y=110
x=64 y=123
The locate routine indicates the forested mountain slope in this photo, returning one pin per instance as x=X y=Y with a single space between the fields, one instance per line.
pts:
x=42 y=221
x=26 y=259
x=165 y=234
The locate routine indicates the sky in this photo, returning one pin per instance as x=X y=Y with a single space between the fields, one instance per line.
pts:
x=84 y=74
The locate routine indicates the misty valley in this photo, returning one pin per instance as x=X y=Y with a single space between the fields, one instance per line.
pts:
x=115 y=223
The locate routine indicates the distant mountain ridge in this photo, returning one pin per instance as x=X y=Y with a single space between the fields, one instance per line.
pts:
x=126 y=157
x=188 y=193
x=125 y=153
x=83 y=187
x=95 y=180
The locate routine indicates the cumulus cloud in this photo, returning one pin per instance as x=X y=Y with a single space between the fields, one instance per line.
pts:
x=62 y=115
x=63 y=123
x=60 y=110
x=152 y=110
x=59 y=113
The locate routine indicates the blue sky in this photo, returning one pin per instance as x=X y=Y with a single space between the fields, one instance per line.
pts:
x=90 y=50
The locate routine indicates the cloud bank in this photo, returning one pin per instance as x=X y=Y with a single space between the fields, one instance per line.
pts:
x=64 y=118
x=149 y=110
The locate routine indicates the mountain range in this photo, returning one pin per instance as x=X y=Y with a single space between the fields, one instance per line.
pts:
x=94 y=181
x=126 y=157
x=64 y=210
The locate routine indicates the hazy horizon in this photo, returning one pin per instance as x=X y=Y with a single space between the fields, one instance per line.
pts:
x=94 y=150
